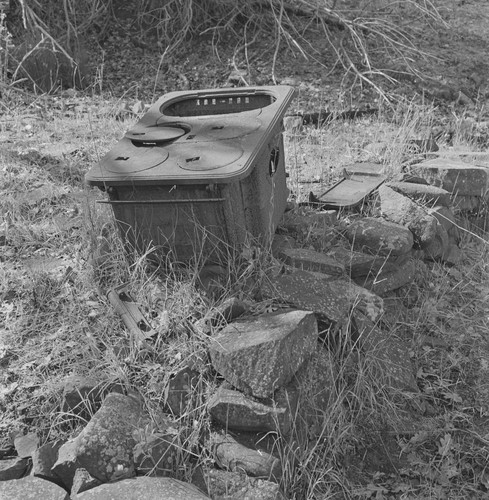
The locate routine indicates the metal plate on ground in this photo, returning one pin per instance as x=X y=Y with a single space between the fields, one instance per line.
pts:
x=348 y=193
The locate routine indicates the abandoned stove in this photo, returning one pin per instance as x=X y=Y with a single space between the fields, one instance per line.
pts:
x=199 y=171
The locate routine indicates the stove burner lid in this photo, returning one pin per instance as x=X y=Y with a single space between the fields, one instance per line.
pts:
x=194 y=157
x=156 y=134
x=130 y=159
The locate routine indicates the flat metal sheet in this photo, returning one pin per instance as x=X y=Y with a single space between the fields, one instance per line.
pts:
x=350 y=192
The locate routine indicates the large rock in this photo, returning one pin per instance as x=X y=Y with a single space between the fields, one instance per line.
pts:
x=422 y=193
x=315 y=383
x=181 y=386
x=438 y=247
x=310 y=260
x=105 y=446
x=147 y=488
x=282 y=242
x=361 y=264
x=454 y=175
x=447 y=219
x=26 y=445
x=387 y=281
x=261 y=354
x=79 y=393
x=236 y=457
x=43 y=460
x=217 y=317
x=330 y=300
x=226 y=485
x=233 y=410
x=83 y=481
x=156 y=454
x=379 y=236
x=401 y=210
x=13 y=468
x=31 y=488
x=311 y=226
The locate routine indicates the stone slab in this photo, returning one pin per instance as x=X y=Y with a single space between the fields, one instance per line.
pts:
x=225 y=485
x=43 y=460
x=403 y=211
x=104 y=447
x=261 y=354
x=379 y=236
x=330 y=300
x=422 y=193
x=31 y=488
x=234 y=456
x=156 y=454
x=310 y=260
x=147 y=488
x=361 y=264
x=235 y=411
x=387 y=281
x=454 y=175
x=13 y=468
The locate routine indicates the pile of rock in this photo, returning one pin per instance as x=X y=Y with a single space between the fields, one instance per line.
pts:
x=333 y=279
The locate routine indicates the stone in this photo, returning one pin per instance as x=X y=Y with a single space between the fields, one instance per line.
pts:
x=310 y=260
x=263 y=353
x=387 y=281
x=13 y=468
x=147 y=488
x=236 y=457
x=226 y=485
x=31 y=488
x=438 y=246
x=447 y=219
x=454 y=175
x=156 y=454
x=467 y=203
x=79 y=393
x=414 y=179
x=181 y=386
x=83 y=481
x=453 y=255
x=64 y=468
x=425 y=194
x=330 y=300
x=104 y=447
x=282 y=242
x=361 y=264
x=43 y=460
x=379 y=236
x=225 y=312
x=310 y=224
x=235 y=411
x=26 y=445
x=387 y=356
x=315 y=384
x=401 y=210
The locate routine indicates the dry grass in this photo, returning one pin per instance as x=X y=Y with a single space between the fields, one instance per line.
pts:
x=56 y=319
x=359 y=36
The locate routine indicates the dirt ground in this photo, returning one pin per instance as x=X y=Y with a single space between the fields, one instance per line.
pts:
x=129 y=65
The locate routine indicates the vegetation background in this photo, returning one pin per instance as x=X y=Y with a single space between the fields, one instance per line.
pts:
x=74 y=75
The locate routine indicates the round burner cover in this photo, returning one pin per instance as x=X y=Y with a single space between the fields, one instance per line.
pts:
x=126 y=158
x=222 y=127
x=194 y=157
x=155 y=135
